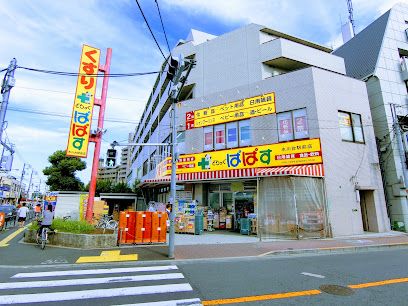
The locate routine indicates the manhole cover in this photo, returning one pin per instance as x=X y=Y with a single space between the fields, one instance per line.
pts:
x=336 y=290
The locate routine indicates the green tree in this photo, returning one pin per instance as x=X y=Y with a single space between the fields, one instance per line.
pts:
x=61 y=173
x=121 y=188
x=136 y=189
x=102 y=186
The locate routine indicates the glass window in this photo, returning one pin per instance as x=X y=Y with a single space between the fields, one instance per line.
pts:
x=232 y=134
x=301 y=128
x=285 y=129
x=351 y=128
x=208 y=138
x=219 y=133
x=181 y=144
x=357 y=128
x=244 y=133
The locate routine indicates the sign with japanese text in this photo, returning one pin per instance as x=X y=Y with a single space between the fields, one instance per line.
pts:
x=81 y=120
x=233 y=111
x=300 y=152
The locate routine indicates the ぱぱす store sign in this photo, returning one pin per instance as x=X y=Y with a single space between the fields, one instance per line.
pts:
x=300 y=152
x=81 y=120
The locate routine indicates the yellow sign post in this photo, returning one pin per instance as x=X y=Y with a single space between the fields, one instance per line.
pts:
x=81 y=120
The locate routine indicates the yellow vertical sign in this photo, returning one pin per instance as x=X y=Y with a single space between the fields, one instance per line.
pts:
x=81 y=119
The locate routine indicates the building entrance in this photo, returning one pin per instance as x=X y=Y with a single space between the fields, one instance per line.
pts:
x=368 y=212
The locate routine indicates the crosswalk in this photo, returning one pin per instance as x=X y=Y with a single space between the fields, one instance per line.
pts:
x=152 y=285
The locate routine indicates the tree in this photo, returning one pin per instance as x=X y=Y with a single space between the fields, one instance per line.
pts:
x=136 y=189
x=61 y=173
x=121 y=188
x=102 y=186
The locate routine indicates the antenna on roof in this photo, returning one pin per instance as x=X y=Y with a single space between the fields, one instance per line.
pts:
x=348 y=29
x=350 y=17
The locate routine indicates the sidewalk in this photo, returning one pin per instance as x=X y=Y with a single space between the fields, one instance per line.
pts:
x=287 y=247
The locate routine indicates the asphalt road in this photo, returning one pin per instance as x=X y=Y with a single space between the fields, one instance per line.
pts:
x=262 y=281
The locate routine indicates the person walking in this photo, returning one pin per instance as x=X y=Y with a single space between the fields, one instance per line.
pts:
x=22 y=214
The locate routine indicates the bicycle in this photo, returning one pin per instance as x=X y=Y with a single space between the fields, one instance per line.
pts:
x=43 y=239
x=107 y=222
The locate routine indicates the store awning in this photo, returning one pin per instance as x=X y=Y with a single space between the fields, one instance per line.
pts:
x=305 y=170
x=220 y=174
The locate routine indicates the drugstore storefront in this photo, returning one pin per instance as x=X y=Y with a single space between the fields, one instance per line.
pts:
x=287 y=201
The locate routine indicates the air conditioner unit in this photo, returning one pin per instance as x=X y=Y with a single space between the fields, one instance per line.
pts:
x=404 y=68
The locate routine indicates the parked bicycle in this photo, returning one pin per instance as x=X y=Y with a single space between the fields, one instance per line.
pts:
x=107 y=222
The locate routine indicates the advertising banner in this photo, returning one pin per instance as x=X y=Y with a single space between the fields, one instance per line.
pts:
x=301 y=152
x=50 y=198
x=232 y=111
x=83 y=202
x=81 y=120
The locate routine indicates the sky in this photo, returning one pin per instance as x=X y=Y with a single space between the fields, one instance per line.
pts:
x=49 y=34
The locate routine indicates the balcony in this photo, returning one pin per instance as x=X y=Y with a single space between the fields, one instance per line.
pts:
x=287 y=55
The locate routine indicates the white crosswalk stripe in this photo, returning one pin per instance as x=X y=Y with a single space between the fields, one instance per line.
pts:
x=160 y=285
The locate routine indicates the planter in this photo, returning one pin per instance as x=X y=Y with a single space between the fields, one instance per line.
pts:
x=81 y=241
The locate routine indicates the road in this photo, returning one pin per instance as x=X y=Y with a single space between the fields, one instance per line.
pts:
x=259 y=280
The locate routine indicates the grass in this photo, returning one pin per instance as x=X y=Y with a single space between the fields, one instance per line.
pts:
x=68 y=226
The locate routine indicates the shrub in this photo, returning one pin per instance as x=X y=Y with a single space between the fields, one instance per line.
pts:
x=72 y=226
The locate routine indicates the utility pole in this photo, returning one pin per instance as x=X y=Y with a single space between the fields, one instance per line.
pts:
x=401 y=150
x=178 y=83
x=21 y=184
x=6 y=87
x=29 y=184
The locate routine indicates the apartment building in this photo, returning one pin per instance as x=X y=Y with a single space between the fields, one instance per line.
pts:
x=268 y=124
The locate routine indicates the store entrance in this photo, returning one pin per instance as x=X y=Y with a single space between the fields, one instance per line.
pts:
x=230 y=207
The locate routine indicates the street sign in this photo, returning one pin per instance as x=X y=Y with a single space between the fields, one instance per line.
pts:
x=111 y=158
x=6 y=162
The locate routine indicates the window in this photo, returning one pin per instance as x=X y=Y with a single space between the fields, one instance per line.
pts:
x=145 y=167
x=208 y=138
x=351 y=128
x=219 y=136
x=181 y=145
x=232 y=135
x=293 y=125
x=244 y=133
x=285 y=129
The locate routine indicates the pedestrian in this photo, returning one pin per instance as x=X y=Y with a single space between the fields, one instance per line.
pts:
x=37 y=210
x=168 y=209
x=22 y=215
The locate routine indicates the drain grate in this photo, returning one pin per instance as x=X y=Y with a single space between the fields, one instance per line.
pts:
x=336 y=290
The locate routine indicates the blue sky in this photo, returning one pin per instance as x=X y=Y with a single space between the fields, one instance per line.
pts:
x=47 y=34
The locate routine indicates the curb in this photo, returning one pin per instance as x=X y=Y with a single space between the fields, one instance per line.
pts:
x=337 y=250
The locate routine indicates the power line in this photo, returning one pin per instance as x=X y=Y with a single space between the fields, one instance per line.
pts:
x=52 y=114
x=151 y=32
x=70 y=93
x=164 y=31
x=64 y=73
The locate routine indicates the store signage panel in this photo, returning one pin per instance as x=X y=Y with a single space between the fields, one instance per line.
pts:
x=301 y=152
x=81 y=120
x=233 y=111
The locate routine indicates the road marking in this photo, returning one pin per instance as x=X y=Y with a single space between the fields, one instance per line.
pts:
x=313 y=275
x=95 y=271
x=187 y=302
x=90 y=281
x=90 y=294
x=379 y=283
x=107 y=256
x=256 y=298
x=5 y=241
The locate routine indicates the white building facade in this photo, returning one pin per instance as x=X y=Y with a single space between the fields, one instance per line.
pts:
x=277 y=129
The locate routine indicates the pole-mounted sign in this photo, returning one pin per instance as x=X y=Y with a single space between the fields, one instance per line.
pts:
x=81 y=120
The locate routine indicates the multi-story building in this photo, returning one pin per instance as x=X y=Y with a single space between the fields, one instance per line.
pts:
x=123 y=166
x=378 y=55
x=9 y=188
x=268 y=124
